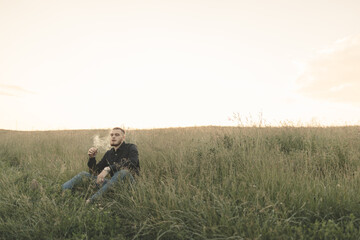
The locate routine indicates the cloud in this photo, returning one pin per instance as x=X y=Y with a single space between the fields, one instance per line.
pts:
x=6 y=94
x=13 y=91
x=333 y=74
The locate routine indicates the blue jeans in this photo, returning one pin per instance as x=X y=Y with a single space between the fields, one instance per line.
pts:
x=107 y=183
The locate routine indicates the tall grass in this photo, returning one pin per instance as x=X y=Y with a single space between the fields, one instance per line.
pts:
x=195 y=183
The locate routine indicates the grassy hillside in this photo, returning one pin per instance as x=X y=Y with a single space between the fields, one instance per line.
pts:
x=195 y=183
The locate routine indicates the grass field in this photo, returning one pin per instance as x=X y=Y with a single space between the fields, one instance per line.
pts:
x=195 y=183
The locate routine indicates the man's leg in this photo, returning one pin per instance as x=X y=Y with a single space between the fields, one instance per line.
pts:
x=75 y=180
x=122 y=174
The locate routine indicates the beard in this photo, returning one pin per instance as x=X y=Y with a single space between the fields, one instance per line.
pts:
x=115 y=144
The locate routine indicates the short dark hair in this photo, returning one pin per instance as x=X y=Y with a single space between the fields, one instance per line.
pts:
x=118 y=128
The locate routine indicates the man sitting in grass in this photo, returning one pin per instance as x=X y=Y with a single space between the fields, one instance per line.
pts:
x=121 y=161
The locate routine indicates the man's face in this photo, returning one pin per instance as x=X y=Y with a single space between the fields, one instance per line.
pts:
x=116 y=137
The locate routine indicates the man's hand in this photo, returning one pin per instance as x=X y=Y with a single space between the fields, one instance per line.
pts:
x=92 y=152
x=100 y=178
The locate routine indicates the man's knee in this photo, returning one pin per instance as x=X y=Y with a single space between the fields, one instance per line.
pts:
x=125 y=174
x=83 y=173
x=75 y=179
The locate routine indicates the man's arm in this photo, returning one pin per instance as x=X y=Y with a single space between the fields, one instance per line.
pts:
x=96 y=168
x=133 y=162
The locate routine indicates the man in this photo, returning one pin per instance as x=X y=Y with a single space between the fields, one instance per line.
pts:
x=121 y=161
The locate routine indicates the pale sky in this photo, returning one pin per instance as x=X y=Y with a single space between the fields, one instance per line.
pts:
x=76 y=64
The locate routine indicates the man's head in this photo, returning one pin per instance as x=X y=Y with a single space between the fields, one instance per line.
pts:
x=117 y=136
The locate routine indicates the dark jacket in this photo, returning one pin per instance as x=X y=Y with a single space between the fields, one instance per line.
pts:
x=126 y=156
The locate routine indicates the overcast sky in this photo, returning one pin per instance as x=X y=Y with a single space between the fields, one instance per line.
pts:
x=143 y=64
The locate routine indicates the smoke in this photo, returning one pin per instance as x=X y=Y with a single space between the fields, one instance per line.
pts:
x=101 y=143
